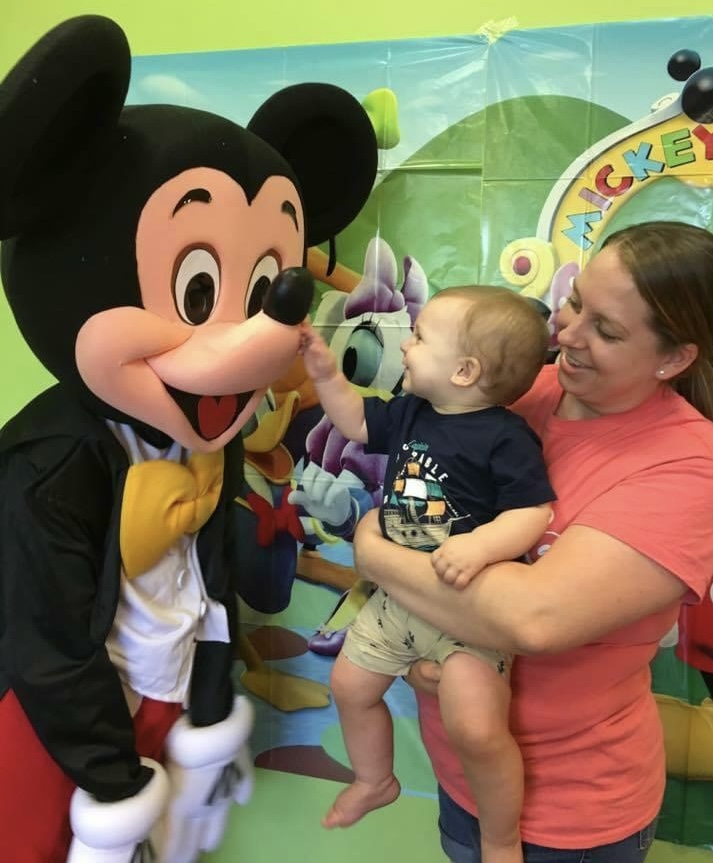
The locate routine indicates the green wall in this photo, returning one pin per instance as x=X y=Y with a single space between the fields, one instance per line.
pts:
x=159 y=26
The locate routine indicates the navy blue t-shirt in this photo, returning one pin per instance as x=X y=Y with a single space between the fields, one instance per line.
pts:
x=449 y=473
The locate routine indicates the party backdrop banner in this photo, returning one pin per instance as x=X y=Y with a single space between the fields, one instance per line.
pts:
x=506 y=158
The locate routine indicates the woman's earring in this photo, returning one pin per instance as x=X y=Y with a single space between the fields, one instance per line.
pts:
x=661 y=372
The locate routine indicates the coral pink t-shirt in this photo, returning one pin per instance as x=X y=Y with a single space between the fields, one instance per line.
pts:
x=585 y=719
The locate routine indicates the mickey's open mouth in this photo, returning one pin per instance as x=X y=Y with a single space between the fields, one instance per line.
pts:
x=210 y=416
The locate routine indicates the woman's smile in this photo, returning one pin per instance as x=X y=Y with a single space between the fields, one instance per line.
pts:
x=571 y=363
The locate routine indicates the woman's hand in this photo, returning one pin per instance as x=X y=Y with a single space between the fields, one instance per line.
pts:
x=424 y=676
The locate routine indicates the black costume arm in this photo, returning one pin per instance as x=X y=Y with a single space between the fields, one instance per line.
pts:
x=212 y=690
x=56 y=606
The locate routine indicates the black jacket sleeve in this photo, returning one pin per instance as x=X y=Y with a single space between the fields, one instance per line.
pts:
x=58 y=591
x=212 y=689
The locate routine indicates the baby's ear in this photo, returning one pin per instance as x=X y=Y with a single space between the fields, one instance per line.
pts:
x=58 y=106
x=467 y=373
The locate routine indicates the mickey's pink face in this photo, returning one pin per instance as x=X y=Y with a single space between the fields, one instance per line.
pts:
x=195 y=361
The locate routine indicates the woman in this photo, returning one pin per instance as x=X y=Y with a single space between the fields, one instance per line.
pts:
x=624 y=421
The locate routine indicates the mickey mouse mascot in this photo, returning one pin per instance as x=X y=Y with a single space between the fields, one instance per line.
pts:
x=152 y=259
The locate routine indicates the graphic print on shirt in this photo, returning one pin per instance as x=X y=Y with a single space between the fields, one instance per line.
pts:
x=416 y=511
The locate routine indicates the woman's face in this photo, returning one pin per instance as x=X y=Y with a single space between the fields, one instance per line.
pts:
x=610 y=359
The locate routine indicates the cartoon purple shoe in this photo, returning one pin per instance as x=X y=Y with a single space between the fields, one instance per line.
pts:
x=329 y=638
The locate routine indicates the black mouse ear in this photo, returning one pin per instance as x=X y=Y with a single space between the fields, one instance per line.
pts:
x=57 y=105
x=329 y=141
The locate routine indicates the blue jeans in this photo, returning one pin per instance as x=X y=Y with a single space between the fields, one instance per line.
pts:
x=460 y=839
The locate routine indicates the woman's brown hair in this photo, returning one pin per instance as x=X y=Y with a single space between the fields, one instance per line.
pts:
x=671 y=264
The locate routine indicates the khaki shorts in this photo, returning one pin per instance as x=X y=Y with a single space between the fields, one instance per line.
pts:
x=387 y=639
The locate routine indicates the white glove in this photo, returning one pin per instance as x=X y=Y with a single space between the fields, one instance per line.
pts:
x=116 y=832
x=324 y=496
x=208 y=768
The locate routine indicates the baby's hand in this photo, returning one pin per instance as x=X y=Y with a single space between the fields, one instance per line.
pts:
x=458 y=560
x=319 y=361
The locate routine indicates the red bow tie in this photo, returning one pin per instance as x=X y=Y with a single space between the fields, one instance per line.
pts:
x=272 y=521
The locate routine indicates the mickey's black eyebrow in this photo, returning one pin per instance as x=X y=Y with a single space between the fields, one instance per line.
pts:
x=202 y=195
x=289 y=208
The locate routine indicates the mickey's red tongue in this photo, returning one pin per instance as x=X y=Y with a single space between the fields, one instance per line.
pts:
x=216 y=415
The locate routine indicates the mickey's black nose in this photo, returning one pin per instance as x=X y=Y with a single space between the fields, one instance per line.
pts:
x=289 y=297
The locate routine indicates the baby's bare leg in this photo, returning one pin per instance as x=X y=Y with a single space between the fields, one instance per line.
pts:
x=475 y=704
x=369 y=740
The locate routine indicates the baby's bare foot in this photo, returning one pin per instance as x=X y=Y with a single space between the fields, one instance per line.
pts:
x=359 y=798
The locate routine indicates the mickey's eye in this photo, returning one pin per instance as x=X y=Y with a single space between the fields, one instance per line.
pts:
x=196 y=286
x=262 y=277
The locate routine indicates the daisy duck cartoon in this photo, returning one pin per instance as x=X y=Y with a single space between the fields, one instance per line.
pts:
x=339 y=481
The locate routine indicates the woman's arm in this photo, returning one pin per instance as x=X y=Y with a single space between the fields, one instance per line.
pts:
x=586 y=585
x=508 y=536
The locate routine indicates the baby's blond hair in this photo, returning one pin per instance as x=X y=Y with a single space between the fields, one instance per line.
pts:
x=505 y=333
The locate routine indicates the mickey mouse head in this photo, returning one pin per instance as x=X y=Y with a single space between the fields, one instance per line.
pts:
x=153 y=254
